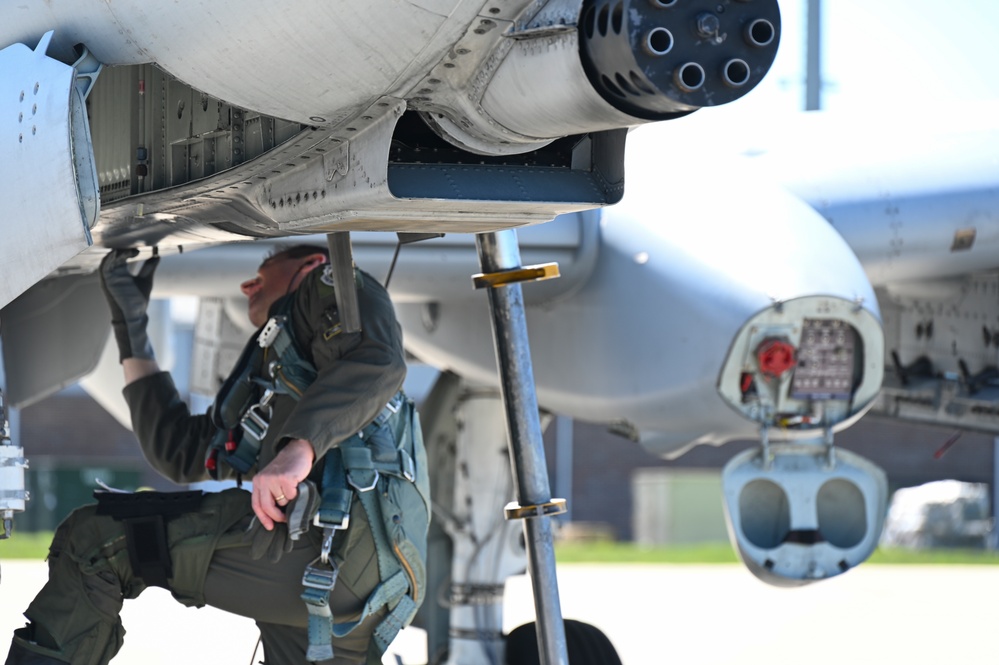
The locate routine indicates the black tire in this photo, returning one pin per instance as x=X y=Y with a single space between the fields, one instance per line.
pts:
x=586 y=644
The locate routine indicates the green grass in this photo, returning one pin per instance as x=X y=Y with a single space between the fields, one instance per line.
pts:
x=34 y=546
x=26 y=546
x=612 y=552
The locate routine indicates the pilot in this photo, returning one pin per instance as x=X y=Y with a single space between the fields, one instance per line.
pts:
x=235 y=550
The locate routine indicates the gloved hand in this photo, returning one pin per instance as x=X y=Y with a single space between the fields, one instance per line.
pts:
x=128 y=298
x=299 y=513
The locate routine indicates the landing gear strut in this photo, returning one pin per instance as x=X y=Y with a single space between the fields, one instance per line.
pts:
x=12 y=465
x=499 y=257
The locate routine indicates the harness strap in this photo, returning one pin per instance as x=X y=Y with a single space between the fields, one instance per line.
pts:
x=385 y=594
x=334 y=506
x=352 y=470
x=317 y=599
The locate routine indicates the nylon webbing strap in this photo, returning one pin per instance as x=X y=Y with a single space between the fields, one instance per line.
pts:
x=334 y=507
x=384 y=594
x=353 y=459
x=388 y=564
x=317 y=599
x=245 y=454
x=395 y=621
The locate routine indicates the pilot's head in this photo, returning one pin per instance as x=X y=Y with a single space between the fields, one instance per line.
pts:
x=279 y=275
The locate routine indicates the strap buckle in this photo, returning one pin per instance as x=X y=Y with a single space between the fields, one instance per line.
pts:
x=374 y=482
x=256 y=420
x=323 y=578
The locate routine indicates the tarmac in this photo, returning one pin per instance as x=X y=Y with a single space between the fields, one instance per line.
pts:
x=690 y=614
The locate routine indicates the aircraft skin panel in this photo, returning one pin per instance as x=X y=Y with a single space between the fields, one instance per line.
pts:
x=50 y=141
x=911 y=204
x=311 y=58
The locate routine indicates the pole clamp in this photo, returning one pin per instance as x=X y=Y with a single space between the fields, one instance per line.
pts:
x=515 y=511
x=534 y=273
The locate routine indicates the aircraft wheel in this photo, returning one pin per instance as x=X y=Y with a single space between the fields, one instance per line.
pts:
x=587 y=645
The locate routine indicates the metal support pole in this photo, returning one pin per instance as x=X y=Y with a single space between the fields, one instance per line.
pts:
x=499 y=252
x=342 y=260
x=813 y=57
x=12 y=462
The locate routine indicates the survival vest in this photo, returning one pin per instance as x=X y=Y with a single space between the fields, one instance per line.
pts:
x=384 y=466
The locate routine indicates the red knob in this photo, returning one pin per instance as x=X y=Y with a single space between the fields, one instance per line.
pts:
x=775 y=356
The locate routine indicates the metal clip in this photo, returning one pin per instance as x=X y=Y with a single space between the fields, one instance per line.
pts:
x=350 y=480
x=335 y=527
x=408 y=466
x=256 y=421
x=315 y=577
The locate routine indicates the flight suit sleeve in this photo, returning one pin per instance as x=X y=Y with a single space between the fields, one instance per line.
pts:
x=358 y=373
x=172 y=440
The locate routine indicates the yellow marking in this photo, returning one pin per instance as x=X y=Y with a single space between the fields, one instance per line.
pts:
x=409 y=570
x=536 y=273
x=330 y=333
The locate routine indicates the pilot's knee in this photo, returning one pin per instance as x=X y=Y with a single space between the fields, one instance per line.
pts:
x=91 y=543
x=70 y=528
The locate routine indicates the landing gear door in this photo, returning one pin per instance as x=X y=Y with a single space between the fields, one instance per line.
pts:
x=48 y=181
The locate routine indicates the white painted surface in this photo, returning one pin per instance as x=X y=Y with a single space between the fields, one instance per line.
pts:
x=696 y=615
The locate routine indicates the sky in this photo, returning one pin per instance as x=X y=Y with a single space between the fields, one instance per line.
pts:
x=888 y=54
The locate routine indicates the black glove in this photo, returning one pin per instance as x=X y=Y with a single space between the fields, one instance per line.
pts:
x=281 y=539
x=128 y=298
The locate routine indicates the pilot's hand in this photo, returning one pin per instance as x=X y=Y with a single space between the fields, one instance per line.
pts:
x=280 y=539
x=277 y=484
x=128 y=298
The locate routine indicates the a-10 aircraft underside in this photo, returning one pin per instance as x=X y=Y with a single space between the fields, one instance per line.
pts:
x=442 y=116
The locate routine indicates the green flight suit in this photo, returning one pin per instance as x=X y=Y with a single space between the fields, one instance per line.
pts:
x=89 y=570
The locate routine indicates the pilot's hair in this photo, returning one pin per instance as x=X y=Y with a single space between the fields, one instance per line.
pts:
x=300 y=251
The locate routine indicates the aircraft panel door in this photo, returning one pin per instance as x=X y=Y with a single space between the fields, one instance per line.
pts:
x=48 y=181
